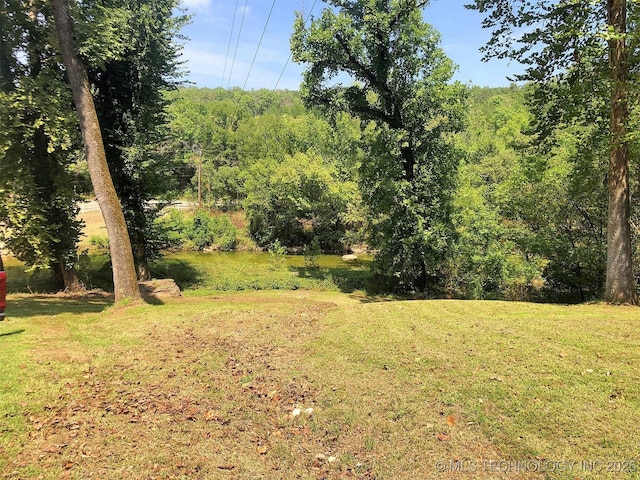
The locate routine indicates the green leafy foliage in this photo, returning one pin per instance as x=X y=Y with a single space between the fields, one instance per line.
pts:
x=173 y=225
x=402 y=94
x=222 y=134
x=129 y=82
x=530 y=217
x=277 y=256
x=37 y=138
x=291 y=169
x=105 y=33
x=298 y=201
x=583 y=58
x=132 y=57
x=513 y=207
x=490 y=260
x=99 y=243
x=199 y=231
x=207 y=230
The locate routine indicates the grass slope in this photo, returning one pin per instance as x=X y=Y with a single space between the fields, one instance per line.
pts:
x=206 y=387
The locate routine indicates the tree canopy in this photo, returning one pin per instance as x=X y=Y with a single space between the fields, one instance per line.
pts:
x=582 y=55
x=400 y=90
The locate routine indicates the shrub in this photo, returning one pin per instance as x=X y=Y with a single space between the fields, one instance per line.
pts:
x=172 y=227
x=277 y=256
x=99 y=243
x=297 y=200
x=206 y=231
x=198 y=232
x=312 y=254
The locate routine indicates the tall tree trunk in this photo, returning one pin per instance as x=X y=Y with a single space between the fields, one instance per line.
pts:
x=124 y=273
x=142 y=265
x=409 y=163
x=620 y=284
x=71 y=279
x=409 y=166
x=66 y=277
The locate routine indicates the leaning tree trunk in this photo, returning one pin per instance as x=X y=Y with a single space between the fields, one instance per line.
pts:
x=620 y=283
x=124 y=274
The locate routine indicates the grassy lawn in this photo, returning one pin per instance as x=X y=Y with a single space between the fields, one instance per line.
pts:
x=210 y=387
x=200 y=274
x=205 y=273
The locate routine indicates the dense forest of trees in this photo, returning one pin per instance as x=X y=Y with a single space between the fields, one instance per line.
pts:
x=528 y=218
x=583 y=58
x=458 y=190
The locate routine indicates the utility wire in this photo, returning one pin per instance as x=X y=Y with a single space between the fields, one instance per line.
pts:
x=289 y=58
x=244 y=10
x=224 y=72
x=259 y=43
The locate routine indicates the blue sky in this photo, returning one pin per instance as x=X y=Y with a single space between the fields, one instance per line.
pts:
x=211 y=37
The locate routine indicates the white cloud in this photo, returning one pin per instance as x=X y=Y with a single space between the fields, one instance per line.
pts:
x=203 y=61
x=206 y=67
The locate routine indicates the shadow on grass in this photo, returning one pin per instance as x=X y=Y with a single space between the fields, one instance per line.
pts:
x=44 y=305
x=15 y=332
x=153 y=300
x=360 y=283
x=182 y=272
x=346 y=279
x=375 y=298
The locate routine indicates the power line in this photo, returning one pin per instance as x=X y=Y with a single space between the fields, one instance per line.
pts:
x=289 y=57
x=224 y=71
x=259 y=43
x=244 y=10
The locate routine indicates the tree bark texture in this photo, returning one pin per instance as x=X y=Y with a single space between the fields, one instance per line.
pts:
x=67 y=278
x=620 y=284
x=124 y=273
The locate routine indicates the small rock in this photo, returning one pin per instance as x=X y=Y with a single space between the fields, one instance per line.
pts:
x=349 y=258
x=163 y=288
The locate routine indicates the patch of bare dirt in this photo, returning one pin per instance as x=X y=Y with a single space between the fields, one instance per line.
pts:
x=211 y=398
x=82 y=293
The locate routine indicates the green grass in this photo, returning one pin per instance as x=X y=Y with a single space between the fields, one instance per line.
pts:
x=204 y=387
x=96 y=273
x=205 y=273
x=21 y=280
